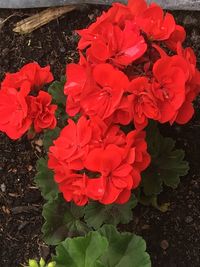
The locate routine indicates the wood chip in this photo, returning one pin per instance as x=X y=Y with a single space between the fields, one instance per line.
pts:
x=23 y=209
x=34 y=22
x=5 y=210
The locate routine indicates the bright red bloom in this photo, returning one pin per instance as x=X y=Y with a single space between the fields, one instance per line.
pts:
x=73 y=187
x=104 y=98
x=170 y=76
x=143 y=102
x=14 y=118
x=119 y=46
x=31 y=76
x=99 y=93
x=94 y=161
x=115 y=174
x=155 y=24
x=72 y=146
x=42 y=112
x=116 y=15
x=136 y=149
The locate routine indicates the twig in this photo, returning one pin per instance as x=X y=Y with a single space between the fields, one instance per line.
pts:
x=34 y=22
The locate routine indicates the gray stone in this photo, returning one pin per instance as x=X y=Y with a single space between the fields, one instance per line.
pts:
x=168 y=4
x=188 y=219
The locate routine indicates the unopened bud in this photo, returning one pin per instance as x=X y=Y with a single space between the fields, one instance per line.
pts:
x=52 y=264
x=33 y=263
x=42 y=262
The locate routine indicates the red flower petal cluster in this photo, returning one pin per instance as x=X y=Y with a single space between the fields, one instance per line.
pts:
x=124 y=81
x=124 y=76
x=19 y=109
x=94 y=161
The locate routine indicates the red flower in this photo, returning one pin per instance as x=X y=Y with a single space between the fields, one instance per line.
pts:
x=155 y=24
x=72 y=146
x=92 y=160
x=143 y=102
x=42 y=111
x=136 y=151
x=115 y=174
x=14 y=119
x=104 y=98
x=119 y=46
x=170 y=76
x=98 y=92
x=73 y=187
x=116 y=15
x=31 y=76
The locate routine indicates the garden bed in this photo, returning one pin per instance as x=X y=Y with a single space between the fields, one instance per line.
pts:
x=172 y=237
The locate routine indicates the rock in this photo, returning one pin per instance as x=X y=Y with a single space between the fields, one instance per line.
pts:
x=164 y=244
x=3 y=188
x=188 y=219
x=39 y=142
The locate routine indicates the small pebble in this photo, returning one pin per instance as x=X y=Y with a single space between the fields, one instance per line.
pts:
x=188 y=219
x=39 y=142
x=3 y=188
x=164 y=244
x=30 y=168
x=145 y=227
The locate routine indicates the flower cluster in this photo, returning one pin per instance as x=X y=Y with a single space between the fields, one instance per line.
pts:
x=125 y=75
x=94 y=161
x=23 y=105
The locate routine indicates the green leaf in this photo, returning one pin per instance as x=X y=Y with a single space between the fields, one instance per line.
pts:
x=62 y=219
x=104 y=248
x=97 y=214
x=49 y=136
x=81 y=251
x=56 y=89
x=45 y=181
x=167 y=165
x=125 y=249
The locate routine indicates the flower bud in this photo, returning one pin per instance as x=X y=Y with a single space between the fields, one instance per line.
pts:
x=52 y=264
x=33 y=263
x=42 y=262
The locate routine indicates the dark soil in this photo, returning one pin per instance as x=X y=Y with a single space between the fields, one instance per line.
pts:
x=173 y=238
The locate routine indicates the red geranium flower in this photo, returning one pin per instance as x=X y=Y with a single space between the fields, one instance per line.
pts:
x=170 y=76
x=155 y=24
x=14 y=118
x=116 y=15
x=31 y=76
x=119 y=46
x=72 y=146
x=42 y=111
x=143 y=102
x=104 y=97
x=115 y=174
